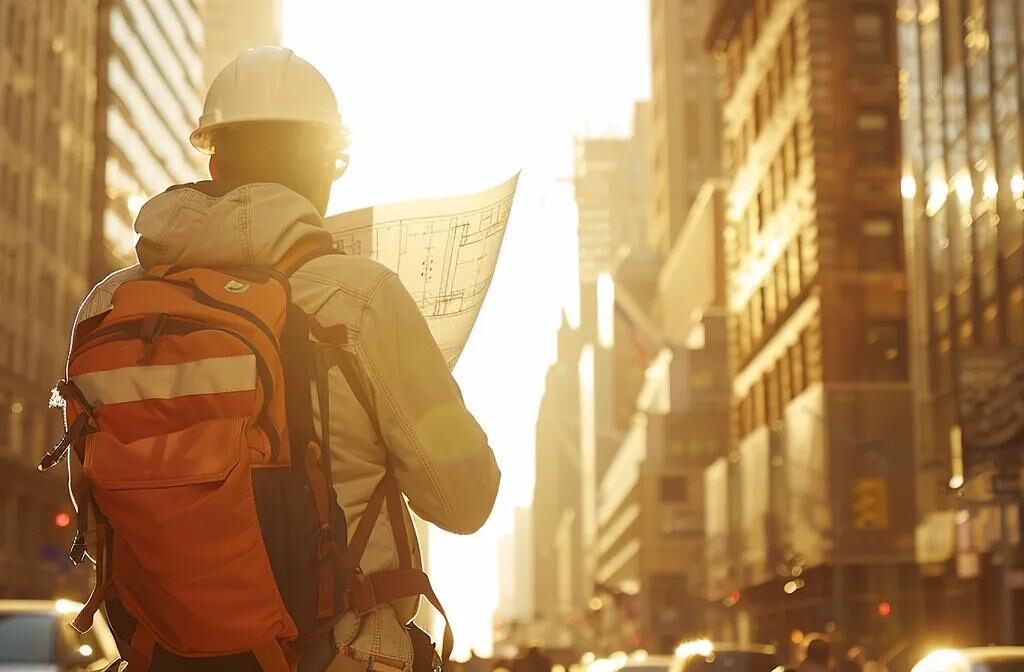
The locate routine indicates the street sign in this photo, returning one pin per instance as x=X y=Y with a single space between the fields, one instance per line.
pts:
x=990 y=392
x=870 y=504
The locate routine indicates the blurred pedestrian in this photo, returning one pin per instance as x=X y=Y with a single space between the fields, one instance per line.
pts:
x=475 y=663
x=818 y=657
x=533 y=660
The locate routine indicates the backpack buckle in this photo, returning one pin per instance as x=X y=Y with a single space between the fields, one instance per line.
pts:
x=363 y=598
x=323 y=544
x=79 y=549
x=56 y=455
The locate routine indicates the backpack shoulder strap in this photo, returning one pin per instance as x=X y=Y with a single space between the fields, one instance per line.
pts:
x=304 y=251
x=406 y=581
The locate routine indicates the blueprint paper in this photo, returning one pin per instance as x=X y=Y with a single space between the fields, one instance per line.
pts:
x=444 y=250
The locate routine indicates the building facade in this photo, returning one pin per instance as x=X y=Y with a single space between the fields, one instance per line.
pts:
x=148 y=97
x=557 y=570
x=47 y=80
x=669 y=359
x=611 y=184
x=822 y=470
x=963 y=190
x=685 y=115
x=514 y=627
x=232 y=26
x=650 y=517
x=611 y=187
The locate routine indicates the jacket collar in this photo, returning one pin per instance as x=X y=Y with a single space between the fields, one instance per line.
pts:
x=215 y=223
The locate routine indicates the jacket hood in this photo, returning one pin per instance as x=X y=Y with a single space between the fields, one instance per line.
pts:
x=217 y=224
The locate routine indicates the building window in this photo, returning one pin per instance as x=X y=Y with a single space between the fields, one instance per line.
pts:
x=755 y=217
x=879 y=243
x=786 y=56
x=870 y=34
x=673 y=489
x=745 y=414
x=743 y=332
x=749 y=31
x=758 y=392
x=793 y=267
x=768 y=299
x=676 y=521
x=756 y=318
x=742 y=229
x=797 y=159
x=735 y=64
x=808 y=255
x=795 y=42
x=763 y=10
x=775 y=77
x=750 y=130
x=811 y=341
x=772 y=405
x=953 y=36
x=779 y=180
x=764 y=107
x=886 y=357
x=781 y=282
x=874 y=136
x=785 y=378
x=764 y=200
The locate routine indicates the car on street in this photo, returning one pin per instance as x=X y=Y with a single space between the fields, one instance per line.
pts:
x=36 y=636
x=981 y=659
x=646 y=663
x=706 y=656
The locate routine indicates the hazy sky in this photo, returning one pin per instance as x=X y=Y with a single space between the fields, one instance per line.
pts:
x=450 y=96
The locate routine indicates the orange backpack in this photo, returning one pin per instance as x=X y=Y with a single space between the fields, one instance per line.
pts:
x=219 y=542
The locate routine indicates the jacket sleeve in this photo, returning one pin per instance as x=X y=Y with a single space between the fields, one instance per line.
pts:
x=440 y=454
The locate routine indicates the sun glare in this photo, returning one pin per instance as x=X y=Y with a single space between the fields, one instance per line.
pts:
x=454 y=96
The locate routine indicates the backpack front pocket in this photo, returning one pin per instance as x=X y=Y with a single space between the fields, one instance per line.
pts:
x=188 y=556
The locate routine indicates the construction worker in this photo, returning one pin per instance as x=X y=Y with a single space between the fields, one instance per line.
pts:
x=276 y=143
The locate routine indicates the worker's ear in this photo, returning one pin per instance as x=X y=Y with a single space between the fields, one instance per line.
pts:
x=213 y=168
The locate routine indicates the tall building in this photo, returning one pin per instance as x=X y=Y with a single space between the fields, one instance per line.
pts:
x=513 y=616
x=611 y=187
x=963 y=189
x=685 y=114
x=47 y=89
x=148 y=98
x=557 y=583
x=232 y=26
x=650 y=518
x=823 y=460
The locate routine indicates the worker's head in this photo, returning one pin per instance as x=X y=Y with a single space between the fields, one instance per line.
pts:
x=272 y=117
x=819 y=651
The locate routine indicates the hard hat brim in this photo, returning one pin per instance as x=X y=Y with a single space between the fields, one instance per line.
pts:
x=202 y=137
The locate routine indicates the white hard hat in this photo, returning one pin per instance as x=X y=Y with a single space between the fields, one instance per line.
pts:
x=268 y=84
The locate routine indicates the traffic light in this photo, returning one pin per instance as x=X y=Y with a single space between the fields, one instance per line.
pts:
x=884 y=609
x=870 y=504
x=62 y=519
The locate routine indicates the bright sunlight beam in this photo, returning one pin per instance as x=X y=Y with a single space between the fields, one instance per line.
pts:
x=452 y=96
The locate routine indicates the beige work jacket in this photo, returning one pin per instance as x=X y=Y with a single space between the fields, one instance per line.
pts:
x=439 y=453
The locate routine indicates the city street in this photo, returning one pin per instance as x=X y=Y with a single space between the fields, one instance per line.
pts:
x=494 y=336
